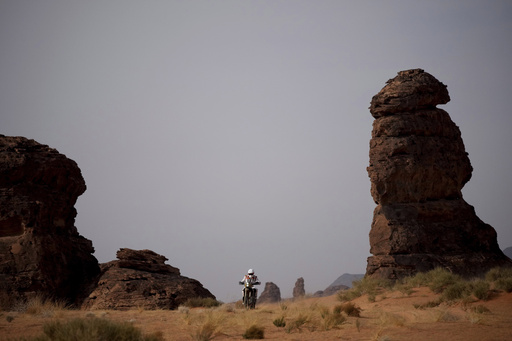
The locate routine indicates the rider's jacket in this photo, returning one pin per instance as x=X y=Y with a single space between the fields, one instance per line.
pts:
x=251 y=279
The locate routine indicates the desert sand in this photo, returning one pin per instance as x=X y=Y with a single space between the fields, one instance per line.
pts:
x=390 y=316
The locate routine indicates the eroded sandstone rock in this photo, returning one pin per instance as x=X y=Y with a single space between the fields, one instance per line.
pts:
x=298 y=289
x=41 y=251
x=140 y=278
x=271 y=293
x=418 y=167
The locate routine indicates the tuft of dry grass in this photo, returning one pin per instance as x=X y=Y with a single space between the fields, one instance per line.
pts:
x=40 y=305
x=387 y=319
x=207 y=326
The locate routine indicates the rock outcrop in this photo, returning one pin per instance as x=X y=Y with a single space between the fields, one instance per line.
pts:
x=271 y=294
x=41 y=251
x=142 y=279
x=418 y=167
x=298 y=289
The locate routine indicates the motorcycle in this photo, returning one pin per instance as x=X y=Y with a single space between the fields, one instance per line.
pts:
x=249 y=294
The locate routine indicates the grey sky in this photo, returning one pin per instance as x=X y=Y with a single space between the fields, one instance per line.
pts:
x=234 y=134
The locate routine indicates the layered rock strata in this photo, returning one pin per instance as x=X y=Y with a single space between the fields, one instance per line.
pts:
x=140 y=278
x=418 y=167
x=41 y=251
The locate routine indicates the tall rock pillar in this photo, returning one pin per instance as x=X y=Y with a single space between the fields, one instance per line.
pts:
x=418 y=167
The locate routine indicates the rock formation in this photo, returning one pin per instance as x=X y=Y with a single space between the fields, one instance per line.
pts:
x=298 y=289
x=271 y=294
x=142 y=279
x=41 y=251
x=418 y=166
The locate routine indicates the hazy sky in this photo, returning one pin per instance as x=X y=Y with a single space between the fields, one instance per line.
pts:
x=234 y=134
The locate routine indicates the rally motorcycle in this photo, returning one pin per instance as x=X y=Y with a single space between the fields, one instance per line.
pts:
x=250 y=294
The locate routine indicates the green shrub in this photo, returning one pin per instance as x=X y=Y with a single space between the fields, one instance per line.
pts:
x=498 y=273
x=418 y=280
x=480 y=289
x=502 y=278
x=254 y=332
x=367 y=285
x=93 y=329
x=279 y=322
x=204 y=302
x=455 y=291
x=504 y=284
x=439 y=279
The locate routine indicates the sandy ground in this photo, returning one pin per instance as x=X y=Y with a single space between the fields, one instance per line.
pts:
x=392 y=316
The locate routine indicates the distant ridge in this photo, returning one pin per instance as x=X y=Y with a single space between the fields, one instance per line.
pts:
x=346 y=279
x=508 y=252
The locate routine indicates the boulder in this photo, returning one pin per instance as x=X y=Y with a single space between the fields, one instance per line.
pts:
x=140 y=278
x=271 y=294
x=41 y=251
x=298 y=289
x=418 y=167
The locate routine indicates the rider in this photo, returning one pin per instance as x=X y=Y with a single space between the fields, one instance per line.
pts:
x=250 y=278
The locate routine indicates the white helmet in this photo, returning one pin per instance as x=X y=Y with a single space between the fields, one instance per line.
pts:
x=250 y=272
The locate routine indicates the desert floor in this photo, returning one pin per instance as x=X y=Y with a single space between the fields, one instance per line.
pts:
x=391 y=316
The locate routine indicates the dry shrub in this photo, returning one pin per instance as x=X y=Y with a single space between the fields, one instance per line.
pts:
x=93 y=329
x=204 y=302
x=429 y=304
x=332 y=319
x=389 y=319
x=443 y=315
x=205 y=331
x=39 y=305
x=254 y=332
x=475 y=314
x=350 y=309
x=297 y=323
x=208 y=326
x=480 y=309
x=279 y=322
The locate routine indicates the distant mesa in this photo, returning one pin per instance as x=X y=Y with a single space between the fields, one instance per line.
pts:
x=42 y=253
x=271 y=293
x=344 y=282
x=140 y=278
x=418 y=167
